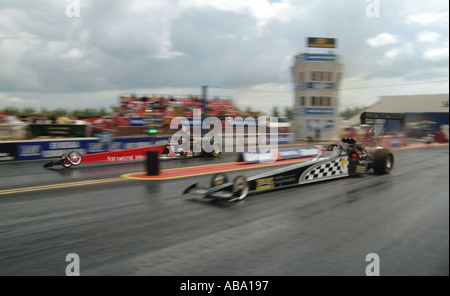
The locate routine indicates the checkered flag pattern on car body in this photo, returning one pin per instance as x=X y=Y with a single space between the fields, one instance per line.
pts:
x=327 y=169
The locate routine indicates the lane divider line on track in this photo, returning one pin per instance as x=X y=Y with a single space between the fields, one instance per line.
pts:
x=60 y=185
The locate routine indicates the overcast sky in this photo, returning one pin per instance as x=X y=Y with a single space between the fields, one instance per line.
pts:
x=243 y=49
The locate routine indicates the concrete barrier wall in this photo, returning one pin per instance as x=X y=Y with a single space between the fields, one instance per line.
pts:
x=53 y=148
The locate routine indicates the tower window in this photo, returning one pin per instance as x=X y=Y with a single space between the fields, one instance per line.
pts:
x=321 y=76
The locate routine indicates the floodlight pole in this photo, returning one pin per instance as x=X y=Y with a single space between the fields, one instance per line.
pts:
x=204 y=94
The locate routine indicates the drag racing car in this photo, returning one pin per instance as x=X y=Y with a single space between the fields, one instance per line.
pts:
x=335 y=161
x=66 y=160
x=167 y=151
x=176 y=151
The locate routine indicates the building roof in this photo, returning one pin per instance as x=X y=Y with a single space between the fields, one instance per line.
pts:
x=436 y=103
x=411 y=104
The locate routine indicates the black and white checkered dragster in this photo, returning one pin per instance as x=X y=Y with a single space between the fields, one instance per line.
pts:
x=336 y=161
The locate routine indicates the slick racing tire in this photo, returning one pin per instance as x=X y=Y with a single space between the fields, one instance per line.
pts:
x=219 y=179
x=240 y=187
x=383 y=162
x=75 y=158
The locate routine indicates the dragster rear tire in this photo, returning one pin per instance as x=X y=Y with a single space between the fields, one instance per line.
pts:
x=383 y=162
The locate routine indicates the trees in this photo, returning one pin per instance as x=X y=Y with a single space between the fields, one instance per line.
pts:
x=288 y=113
x=350 y=112
x=275 y=112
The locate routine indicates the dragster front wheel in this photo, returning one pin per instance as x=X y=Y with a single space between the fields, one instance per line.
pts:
x=240 y=187
x=64 y=160
x=219 y=179
x=75 y=158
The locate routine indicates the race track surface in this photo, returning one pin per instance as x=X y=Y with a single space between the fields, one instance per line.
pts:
x=119 y=226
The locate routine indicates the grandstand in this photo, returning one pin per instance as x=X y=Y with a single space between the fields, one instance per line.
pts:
x=169 y=106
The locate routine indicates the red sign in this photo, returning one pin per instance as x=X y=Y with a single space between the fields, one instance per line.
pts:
x=122 y=155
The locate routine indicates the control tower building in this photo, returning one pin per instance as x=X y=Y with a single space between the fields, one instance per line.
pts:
x=317 y=77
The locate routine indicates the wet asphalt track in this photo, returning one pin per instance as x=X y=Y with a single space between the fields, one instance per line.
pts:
x=136 y=227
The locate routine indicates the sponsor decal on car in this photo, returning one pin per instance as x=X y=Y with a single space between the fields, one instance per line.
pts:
x=284 y=179
x=265 y=183
x=344 y=165
x=360 y=169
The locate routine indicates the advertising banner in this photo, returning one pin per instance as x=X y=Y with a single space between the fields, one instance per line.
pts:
x=122 y=155
x=255 y=157
x=321 y=42
x=315 y=111
x=139 y=121
x=324 y=125
x=313 y=57
x=317 y=85
x=290 y=153
x=287 y=138
x=55 y=148
x=280 y=154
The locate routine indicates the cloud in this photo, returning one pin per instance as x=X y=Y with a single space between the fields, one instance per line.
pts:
x=74 y=53
x=14 y=100
x=437 y=54
x=261 y=10
x=8 y=99
x=402 y=53
x=390 y=55
x=119 y=46
x=382 y=39
x=428 y=36
x=425 y=19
